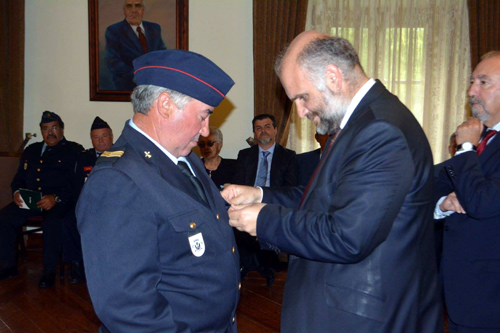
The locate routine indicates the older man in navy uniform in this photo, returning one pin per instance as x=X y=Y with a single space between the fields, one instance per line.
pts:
x=46 y=167
x=102 y=139
x=158 y=249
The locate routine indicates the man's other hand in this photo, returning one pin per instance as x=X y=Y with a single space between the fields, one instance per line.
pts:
x=242 y=195
x=17 y=199
x=469 y=131
x=451 y=203
x=47 y=202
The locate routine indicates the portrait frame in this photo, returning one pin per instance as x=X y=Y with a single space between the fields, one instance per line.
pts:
x=96 y=42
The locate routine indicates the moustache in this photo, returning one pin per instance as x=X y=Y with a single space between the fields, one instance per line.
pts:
x=475 y=100
x=51 y=136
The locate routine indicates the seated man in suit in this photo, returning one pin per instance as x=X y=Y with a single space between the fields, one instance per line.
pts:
x=265 y=164
x=129 y=39
x=159 y=253
x=469 y=190
x=101 y=136
x=46 y=167
x=307 y=162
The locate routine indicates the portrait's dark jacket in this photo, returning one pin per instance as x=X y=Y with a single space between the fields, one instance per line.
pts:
x=470 y=262
x=307 y=163
x=50 y=173
x=362 y=252
x=135 y=215
x=283 y=167
x=123 y=46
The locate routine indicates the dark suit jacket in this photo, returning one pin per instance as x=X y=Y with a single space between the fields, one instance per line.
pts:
x=471 y=246
x=362 y=243
x=136 y=215
x=283 y=167
x=123 y=46
x=307 y=163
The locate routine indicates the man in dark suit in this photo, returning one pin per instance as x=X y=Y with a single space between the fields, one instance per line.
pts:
x=469 y=189
x=265 y=164
x=101 y=136
x=159 y=253
x=360 y=237
x=307 y=162
x=129 y=39
x=46 y=167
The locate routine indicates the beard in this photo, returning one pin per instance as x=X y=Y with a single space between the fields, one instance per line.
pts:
x=479 y=111
x=264 y=139
x=330 y=113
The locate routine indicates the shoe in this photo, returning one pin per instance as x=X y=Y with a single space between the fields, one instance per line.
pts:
x=8 y=272
x=76 y=272
x=47 y=280
x=270 y=279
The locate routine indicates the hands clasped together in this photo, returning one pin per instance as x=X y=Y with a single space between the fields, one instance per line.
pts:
x=245 y=204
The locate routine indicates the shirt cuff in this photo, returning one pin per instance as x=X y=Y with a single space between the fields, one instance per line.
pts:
x=261 y=193
x=438 y=213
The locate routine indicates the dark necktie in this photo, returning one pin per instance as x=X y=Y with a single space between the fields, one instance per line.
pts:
x=264 y=166
x=195 y=181
x=142 y=39
x=485 y=140
x=323 y=159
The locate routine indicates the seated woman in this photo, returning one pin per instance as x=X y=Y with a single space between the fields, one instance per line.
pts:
x=221 y=170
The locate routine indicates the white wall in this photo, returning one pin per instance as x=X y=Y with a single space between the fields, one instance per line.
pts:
x=57 y=67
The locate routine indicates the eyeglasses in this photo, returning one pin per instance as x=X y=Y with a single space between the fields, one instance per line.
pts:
x=53 y=128
x=210 y=143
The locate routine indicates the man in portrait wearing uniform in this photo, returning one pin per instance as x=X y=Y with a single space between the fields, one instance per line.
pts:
x=46 y=167
x=158 y=249
x=102 y=139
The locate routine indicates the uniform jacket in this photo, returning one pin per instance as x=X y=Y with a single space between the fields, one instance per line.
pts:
x=52 y=173
x=307 y=163
x=362 y=243
x=123 y=46
x=283 y=167
x=84 y=165
x=471 y=246
x=136 y=215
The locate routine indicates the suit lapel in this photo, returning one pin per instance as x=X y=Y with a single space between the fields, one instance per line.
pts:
x=491 y=150
x=253 y=162
x=275 y=163
x=131 y=36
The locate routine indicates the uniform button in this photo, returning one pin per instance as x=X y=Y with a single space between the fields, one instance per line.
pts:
x=192 y=225
x=38 y=179
x=38 y=169
x=59 y=161
x=234 y=319
x=218 y=217
x=239 y=286
x=446 y=228
x=41 y=161
x=39 y=189
x=233 y=249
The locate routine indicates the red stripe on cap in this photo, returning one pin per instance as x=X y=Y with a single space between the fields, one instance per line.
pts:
x=177 y=70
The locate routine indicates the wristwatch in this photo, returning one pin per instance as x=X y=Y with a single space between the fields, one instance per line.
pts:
x=466 y=146
x=56 y=198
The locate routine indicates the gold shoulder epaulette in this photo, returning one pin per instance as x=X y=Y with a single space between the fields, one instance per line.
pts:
x=117 y=153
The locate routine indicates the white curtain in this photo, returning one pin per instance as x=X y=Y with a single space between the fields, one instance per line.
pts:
x=419 y=49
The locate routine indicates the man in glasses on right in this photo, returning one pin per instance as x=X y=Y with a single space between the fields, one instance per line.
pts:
x=468 y=188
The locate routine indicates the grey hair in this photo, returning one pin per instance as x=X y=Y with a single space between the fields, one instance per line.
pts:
x=218 y=134
x=490 y=54
x=324 y=51
x=143 y=97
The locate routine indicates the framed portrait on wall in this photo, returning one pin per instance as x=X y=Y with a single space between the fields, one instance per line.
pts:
x=122 y=30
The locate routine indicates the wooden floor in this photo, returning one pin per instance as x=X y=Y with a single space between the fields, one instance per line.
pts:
x=67 y=308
